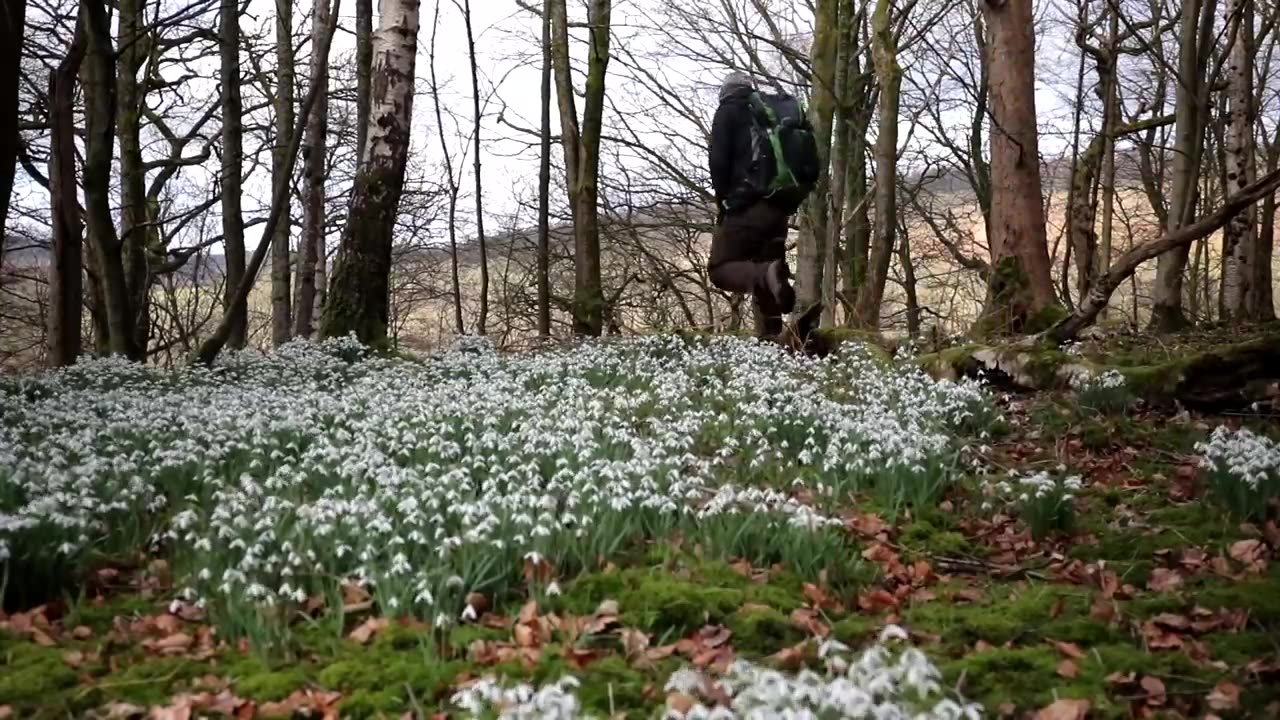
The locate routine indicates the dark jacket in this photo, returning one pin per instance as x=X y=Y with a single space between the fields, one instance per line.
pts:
x=731 y=151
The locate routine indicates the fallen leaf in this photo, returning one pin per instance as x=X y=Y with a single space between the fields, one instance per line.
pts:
x=1164 y=580
x=73 y=658
x=1253 y=553
x=167 y=624
x=367 y=629
x=816 y=595
x=1065 y=709
x=120 y=710
x=1225 y=696
x=713 y=636
x=1172 y=621
x=5 y=712
x=525 y=636
x=791 y=658
x=983 y=646
x=82 y=632
x=174 y=644
x=877 y=601
x=1070 y=650
x=680 y=704
x=478 y=602
x=635 y=643
x=1104 y=610
x=41 y=638
x=807 y=620
x=1154 y=688
x=1117 y=678
x=1068 y=669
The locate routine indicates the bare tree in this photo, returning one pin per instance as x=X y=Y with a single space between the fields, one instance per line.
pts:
x=582 y=155
x=1020 y=286
x=482 y=320
x=12 y=26
x=450 y=179
x=312 y=246
x=232 y=171
x=65 y=286
x=544 y=180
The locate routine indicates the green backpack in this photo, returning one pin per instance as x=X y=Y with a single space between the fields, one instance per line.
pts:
x=784 y=165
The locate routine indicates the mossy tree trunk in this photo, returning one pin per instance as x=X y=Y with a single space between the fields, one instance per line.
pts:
x=136 y=228
x=358 y=297
x=1019 y=289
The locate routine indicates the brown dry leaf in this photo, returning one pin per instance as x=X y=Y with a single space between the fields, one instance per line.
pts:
x=1225 y=696
x=635 y=644
x=868 y=524
x=73 y=658
x=966 y=595
x=713 y=636
x=166 y=624
x=922 y=571
x=790 y=658
x=1172 y=621
x=180 y=710
x=1164 y=580
x=1117 y=678
x=354 y=594
x=1154 y=688
x=880 y=553
x=1110 y=583
x=1065 y=709
x=120 y=710
x=877 y=601
x=983 y=646
x=1068 y=669
x=579 y=658
x=525 y=636
x=41 y=638
x=82 y=632
x=1253 y=553
x=742 y=567
x=680 y=703
x=1104 y=610
x=365 y=631
x=807 y=620
x=1070 y=650
x=528 y=614
x=5 y=712
x=1158 y=638
x=660 y=653
x=478 y=602
x=816 y=595
x=537 y=569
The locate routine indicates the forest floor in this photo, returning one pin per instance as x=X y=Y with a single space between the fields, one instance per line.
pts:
x=1137 y=594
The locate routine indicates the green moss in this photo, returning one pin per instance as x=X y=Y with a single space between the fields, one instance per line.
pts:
x=99 y=614
x=856 y=630
x=1259 y=595
x=30 y=674
x=925 y=536
x=379 y=677
x=762 y=630
x=656 y=601
x=1045 y=318
x=255 y=680
x=1023 y=617
x=152 y=681
x=609 y=685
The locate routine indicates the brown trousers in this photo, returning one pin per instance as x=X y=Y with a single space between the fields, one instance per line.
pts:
x=742 y=247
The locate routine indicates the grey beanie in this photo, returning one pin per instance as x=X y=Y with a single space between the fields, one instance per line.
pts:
x=733 y=81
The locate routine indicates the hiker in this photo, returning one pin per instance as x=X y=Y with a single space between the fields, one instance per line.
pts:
x=757 y=192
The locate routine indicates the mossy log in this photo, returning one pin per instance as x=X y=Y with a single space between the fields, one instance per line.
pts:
x=1231 y=376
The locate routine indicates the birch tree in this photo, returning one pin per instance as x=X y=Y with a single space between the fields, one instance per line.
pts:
x=358 y=296
x=1239 y=239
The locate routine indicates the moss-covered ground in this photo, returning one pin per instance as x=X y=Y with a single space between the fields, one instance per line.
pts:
x=1143 y=608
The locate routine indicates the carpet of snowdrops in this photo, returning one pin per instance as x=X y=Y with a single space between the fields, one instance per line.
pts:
x=269 y=479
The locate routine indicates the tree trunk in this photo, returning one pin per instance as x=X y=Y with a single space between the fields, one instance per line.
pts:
x=909 y=284
x=65 y=267
x=1266 y=245
x=544 y=182
x=364 y=67
x=358 y=299
x=889 y=74
x=1020 y=287
x=1111 y=123
x=1240 y=298
x=314 y=154
x=845 y=107
x=582 y=155
x=232 y=171
x=483 y=320
x=135 y=226
x=12 y=26
x=98 y=77
x=281 y=292
x=210 y=348
x=810 y=251
x=1196 y=43
x=450 y=179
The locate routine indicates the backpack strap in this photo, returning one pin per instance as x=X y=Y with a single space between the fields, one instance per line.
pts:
x=762 y=109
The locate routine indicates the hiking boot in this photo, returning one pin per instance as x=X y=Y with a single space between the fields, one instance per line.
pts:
x=777 y=280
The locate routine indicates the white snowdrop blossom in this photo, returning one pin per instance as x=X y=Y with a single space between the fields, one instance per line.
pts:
x=270 y=478
x=880 y=682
